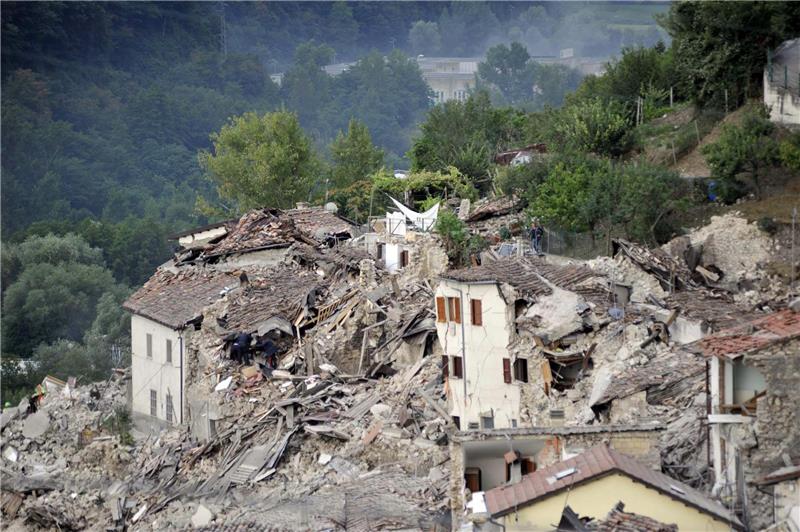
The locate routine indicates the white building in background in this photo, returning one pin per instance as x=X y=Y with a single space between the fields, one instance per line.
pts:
x=782 y=84
x=450 y=78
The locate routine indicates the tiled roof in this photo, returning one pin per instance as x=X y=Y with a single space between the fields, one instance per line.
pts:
x=618 y=520
x=494 y=207
x=754 y=335
x=595 y=463
x=174 y=299
x=281 y=291
x=528 y=275
x=259 y=229
x=718 y=310
x=679 y=368
x=317 y=223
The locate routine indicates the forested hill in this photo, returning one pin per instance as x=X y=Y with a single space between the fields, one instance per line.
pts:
x=105 y=105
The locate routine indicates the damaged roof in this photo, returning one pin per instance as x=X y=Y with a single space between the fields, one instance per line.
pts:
x=494 y=207
x=597 y=462
x=530 y=276
x=666 y=374
x=318 y=223
x=281 y=292
x=754 y=335
x=256 y=230
x=619 y=520
x=174 y=299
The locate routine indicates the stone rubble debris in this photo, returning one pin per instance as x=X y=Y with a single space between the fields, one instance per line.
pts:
x=349 y=427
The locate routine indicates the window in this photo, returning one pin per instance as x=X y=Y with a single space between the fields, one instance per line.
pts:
x=153 y=402
x=404 y=258
x=474 y=426
x=441 y=313
x=170 y=411
x=507 y=370
x=169 y=351
x=454 y=304
x=458 y=368
x=521 y=370
x=487 y=422
x=445 y=367
x=380 y=250
x=457 y=422
x=149 y=345
x=476 y=311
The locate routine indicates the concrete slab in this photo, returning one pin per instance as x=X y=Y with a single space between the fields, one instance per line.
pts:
x=202 y=517
x=7 y=416
x=36 y=425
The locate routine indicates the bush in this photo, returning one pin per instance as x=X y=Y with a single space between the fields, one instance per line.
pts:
x=768 y=225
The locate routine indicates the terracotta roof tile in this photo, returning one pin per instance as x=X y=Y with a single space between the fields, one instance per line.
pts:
x=174 y=299
x=754 y=335
x=259 y=229
x=595 y=463
x=317 y=223
x=530 y=276
x=618 y=520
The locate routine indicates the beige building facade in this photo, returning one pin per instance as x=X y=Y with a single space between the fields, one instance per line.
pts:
x=157 y=361
x=473 y=327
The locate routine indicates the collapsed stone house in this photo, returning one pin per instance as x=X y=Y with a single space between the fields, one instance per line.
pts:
x=753 y=414
x=212 y=261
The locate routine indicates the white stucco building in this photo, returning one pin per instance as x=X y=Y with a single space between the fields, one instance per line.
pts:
x=164 y=314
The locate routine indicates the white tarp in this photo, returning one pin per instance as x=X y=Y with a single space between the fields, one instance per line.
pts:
x=424 y=221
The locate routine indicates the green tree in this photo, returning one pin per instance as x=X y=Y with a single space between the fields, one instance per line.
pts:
x=52 y=292
x=306 y=88
x=342 y=27
x=722 y=46
x=354 y=156
x=261 y=161
x=742 y=152
x=507 y=69
x=465 y=135
x=595 y=126
x=424 y=38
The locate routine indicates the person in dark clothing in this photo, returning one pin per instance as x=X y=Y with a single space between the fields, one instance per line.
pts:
x=269 y=350
x=240 y=350
x=536 y=233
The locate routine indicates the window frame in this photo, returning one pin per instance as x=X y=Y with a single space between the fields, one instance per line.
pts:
x=476 y=312
x=168 y=351
x=170 y=409
x=153 y=402
x=149 y=345
x=454 y=308
x=458 y=367
x=520 y=369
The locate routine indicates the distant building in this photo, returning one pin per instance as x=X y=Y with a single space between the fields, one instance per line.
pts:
x=782 y=84
x=450 y=78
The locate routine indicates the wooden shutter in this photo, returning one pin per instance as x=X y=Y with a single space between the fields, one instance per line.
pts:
x=458 y=368
x=404 y=258
x=441 y=315
x=477 y=311
x=445 y=367
x=457 y=312
x=507 y=370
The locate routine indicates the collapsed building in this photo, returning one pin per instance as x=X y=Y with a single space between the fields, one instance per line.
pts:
x=293 y=370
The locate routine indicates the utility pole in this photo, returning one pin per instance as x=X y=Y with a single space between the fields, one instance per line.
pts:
x=794 y=268
x=223 y=38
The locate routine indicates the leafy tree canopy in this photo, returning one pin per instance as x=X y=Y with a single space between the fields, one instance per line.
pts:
x=261 y=161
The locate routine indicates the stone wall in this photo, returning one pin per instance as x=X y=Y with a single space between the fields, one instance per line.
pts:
x=777 y=426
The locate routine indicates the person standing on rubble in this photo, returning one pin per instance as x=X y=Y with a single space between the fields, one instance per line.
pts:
x=536 y=233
